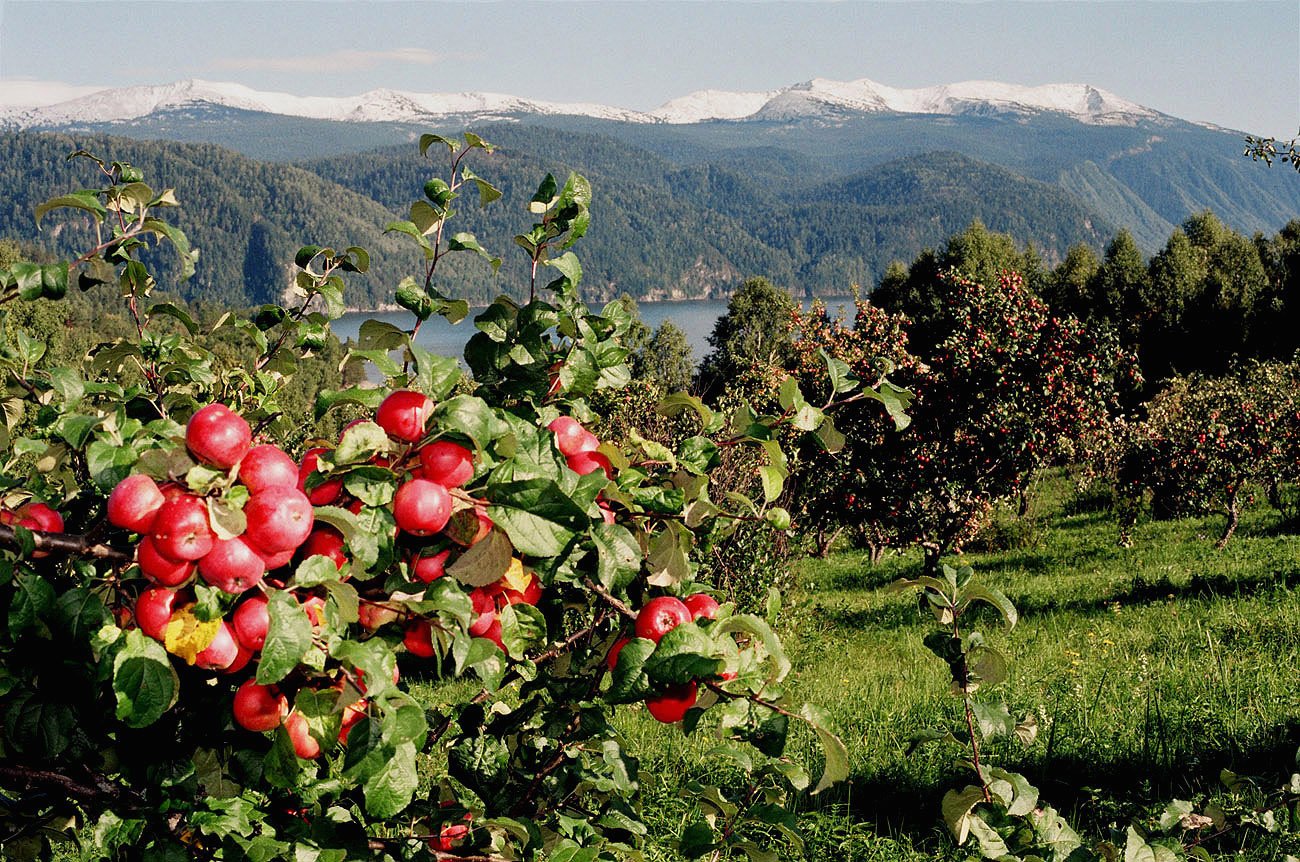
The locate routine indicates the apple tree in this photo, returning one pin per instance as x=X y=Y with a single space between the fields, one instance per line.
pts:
x=209 y=633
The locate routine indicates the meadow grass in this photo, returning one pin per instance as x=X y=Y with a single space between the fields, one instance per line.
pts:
x=1150 y=669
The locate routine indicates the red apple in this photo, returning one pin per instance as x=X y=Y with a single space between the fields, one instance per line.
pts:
x=304 y=744
x=449 y=464
x=485 y=611
x=267 y=466
x=530 y=595
x=583 y=463
x=611 y=660
x=493 y=634
x=372 y=616
x=160 y=569
x=181 y=530
x=419 y=639
x=134 y=503
x=277 y=560
x=606 y=513
x=259 y=708
x=251 y=620
x=468 y=526
x=404 y=413
x=324 y=541
x=153 y=610
x=660 y=616
x=571 y=438
x=352 y=713
x=325 y=493
x=232 y=566
x=218 y=436
x=242 y=658
x=279 y=519
x=702 y=605
x=428 y=569
x=421 y=507
x=221 y=653
x=670 y=705
x=314 y=608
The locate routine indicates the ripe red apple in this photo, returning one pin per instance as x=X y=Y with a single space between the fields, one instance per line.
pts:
x=279 y=519
x=325 y=493
x=134 y=503
x=259 y=708
x=181 y=530
x=404 y=413
x=34 y=516
x=449 y=464
x=419 y=639
x=221 y=653
x=606 y=513
x=324 y=541
x=352 y=713
x=702 y=605
x=251 y=620
x=277 y=560
x=314 y=608
x=218 y=436
x=583 y=463
x=611 y=660
x=153 y=610
x=232 y=566
x=571 y=438
x=660 y=616
x=242 y=657
x=421 y=507
x=160 y=569
x=530 y=595
x=671 y=705
x=428 y=569
x=493 y=634
x=304 y=744
x=449 y=837
x=485 y=611
x=267 y=466
x=372 y=616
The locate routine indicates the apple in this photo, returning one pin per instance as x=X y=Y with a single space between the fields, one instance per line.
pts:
x=702 y=605
x=352 y=713
x=468 y=527
x=404 y=413
x=314 y=608
x=606 y=513
x=583 y=463
x=429 y=568
x=259 y=708
x=35 y=516
x=153 y=610
x=232 y=566
x=493 y=634
x=242 y=658
x=611 y=660
x=571 y=438
x=267 y=466
x=530 y=595
x=251 y=620
x=449 y=837
x=671 y=704
x=324 y=541
x=181 y=530
x=221 y=653
x=660 y=616
x=421 y=507
x=277 y=560
x=326 y=492
x=419 y=639
x=160 y=569
x=218 y=436
x=134 y=503
x=372 y=615
x=485 y=611
x=279 y=519
x=304 y=744
x=449 y=464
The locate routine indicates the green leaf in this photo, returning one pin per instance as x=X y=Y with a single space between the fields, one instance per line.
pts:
x=83 y=200
x=568 y=266
x=144 y=681
x=956 y=809
x=630 y=682
x=485 y=561
x=288 y=638
x=389 y=789
x=522 y=628
x=896 y=401
x=360 y=443
x=837 y=756
x=618 y=556
x=167 y=309
x=33 y=601
x=759 y=628
x=686 y=653
x=468 y=242
x=414 y=299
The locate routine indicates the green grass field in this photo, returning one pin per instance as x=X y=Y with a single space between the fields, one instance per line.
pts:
x=1150 y=669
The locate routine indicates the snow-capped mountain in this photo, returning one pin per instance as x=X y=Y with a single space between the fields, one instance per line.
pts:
x=811 y=100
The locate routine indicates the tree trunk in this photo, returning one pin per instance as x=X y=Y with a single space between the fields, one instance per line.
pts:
x=1234 y=516
x=825 y=539
x=933 y=553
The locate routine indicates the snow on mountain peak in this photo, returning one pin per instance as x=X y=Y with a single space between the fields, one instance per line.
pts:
x=26 y=103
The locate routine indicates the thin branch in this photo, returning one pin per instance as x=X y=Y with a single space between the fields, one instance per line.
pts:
x=69 y=544
x=609 y=598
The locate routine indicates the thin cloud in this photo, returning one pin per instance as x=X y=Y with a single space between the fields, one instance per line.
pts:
x=346 y=60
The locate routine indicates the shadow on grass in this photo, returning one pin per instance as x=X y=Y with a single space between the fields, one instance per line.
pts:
x=1139 y=592
x=1090 y=793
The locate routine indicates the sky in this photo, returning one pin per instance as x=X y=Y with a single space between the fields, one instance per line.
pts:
x=1235 y=64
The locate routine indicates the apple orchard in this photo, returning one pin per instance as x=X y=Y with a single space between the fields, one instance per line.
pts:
x=210 y=631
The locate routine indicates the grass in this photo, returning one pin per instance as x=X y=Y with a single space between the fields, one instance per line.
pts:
x=1150 y=669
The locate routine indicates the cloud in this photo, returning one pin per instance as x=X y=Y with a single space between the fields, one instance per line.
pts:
x=346 y=60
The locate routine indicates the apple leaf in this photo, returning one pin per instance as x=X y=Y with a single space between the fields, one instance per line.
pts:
x=630 y=681
x=288 y=638
x=186 y=635
x=389 y=789
x=144 y=681
x=684 y=654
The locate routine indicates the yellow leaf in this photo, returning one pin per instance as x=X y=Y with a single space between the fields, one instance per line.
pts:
x=517 y=577
x=187 y=635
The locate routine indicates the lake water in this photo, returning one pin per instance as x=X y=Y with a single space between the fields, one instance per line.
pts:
x=693 y=317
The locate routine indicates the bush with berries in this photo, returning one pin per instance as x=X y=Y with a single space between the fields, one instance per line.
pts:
x=208 y=634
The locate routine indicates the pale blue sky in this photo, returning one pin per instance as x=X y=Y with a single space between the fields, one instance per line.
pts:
x=1236 y=64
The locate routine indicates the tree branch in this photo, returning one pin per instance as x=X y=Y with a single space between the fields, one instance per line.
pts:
x=609 y=598
x=68 y=544
x=100 y=789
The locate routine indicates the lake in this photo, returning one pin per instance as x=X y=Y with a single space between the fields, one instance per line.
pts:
x=694 y=317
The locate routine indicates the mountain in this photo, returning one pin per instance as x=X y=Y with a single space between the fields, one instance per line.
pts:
x=817 y=185
x=816 y=98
